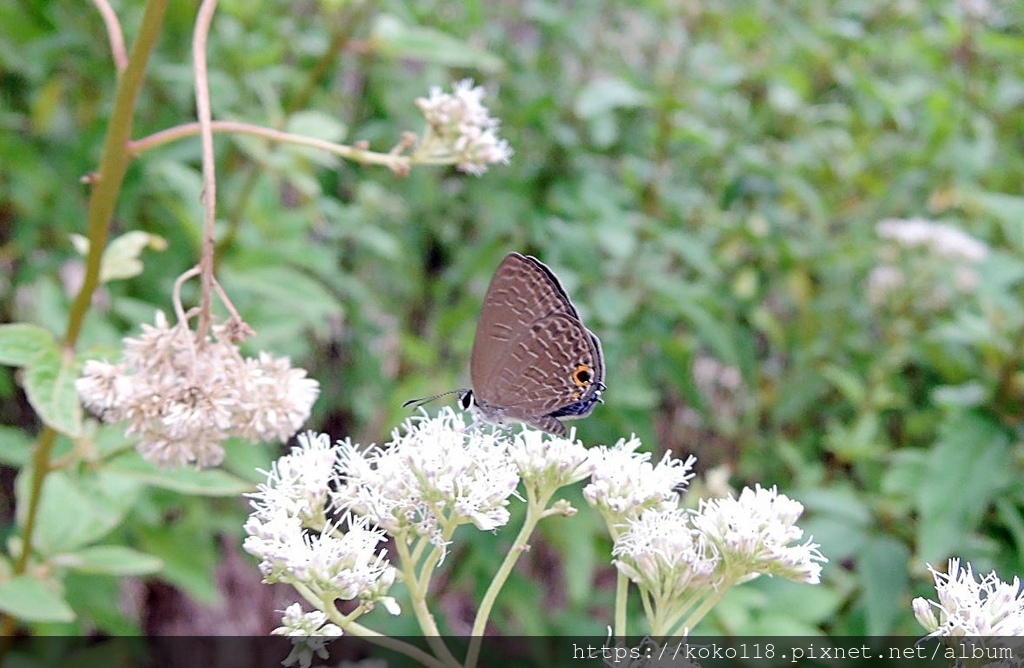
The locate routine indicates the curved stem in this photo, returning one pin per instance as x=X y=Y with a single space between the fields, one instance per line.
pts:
x=209 y=196
x=397 y=163
x=107 y=186
x=534 y=513
x=114 y=34
x=705 y=607
x=400 y=646
x=418 y=586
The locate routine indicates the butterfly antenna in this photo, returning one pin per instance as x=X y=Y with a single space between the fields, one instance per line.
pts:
x=424 y=400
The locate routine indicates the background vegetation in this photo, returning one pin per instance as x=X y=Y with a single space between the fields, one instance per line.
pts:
x=705 y=179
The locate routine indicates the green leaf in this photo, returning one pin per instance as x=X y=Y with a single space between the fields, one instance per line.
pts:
x=189 y=554
x=849 y=384
x=121 y=257
x=30 y=600
x=20 y=342
x=394 y=39
x=76 y=509
x=50 y=386
x=110 y=560
x=1008 y=209
x=882 y=567
x=965 y=470
x=15 y=446
x=601 y=96
x=206 y=482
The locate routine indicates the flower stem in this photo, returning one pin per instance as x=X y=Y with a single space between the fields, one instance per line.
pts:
x=621 y=596
x=534 y=513
x=418 y=586
x=106 y=188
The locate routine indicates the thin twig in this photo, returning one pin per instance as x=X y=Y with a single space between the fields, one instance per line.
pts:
x=209 y=196
x=396 y=163
x=114 y=34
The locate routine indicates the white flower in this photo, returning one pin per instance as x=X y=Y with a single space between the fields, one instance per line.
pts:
x=309 y=634
x=549 y=462
x=752 y=535
x=298 y=483
x=434 y=474
x=662 y=553
x=461 y=128
x=279 y=398
x=290 y=535
x=882 y=282
x=184 y=397
x=624 y=483
x=295 y=622
x=969 y=607
x=942 y=240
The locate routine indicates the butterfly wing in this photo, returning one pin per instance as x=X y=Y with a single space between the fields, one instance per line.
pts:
x=552 y=368
x=522 y=292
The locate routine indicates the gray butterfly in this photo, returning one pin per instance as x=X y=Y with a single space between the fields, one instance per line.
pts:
x=533 y=360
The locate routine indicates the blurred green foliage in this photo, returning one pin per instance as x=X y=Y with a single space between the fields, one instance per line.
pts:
x=705 y=179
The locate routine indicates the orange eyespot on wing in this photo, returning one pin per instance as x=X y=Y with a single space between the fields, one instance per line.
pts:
x=583 y=375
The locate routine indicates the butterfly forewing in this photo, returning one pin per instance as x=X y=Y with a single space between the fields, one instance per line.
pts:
x=522 y=292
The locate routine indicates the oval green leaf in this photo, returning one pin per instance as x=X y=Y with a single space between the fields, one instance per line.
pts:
x=20 y=342
x=30 y=600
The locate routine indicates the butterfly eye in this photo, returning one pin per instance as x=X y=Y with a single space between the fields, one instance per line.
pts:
x=582 y=375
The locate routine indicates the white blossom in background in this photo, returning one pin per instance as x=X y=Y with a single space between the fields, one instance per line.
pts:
x=882 y=282
x=942 y=240
x=288 y=532
x=985 y=606
x=461 y=127
x=753 y=535
x=433 y=475
x=624 y=483
x=183 y=398
x=662 y=553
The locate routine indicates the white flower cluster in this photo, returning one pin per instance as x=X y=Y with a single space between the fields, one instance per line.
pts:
x=433 y=475
x=291 y=534
x=669 y=551
x=662 y=554
x=549 y=462
x=309 y=632
x=461 y=126
x=969 y=607
x=624 y=483
x=679 y=557
x=183 y=397
x=956 y=251
x=944 y=241
x=753 y=535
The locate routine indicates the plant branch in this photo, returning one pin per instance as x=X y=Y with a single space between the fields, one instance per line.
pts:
x=399 y=164
x=209 y=196
x=106 y=188
x=114 y=34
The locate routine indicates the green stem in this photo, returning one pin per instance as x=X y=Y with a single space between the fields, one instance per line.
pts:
x=621 y=596
x=418 y=587
x=710 y=602
x=534 y=513
x=399 y=646
x=395 y=162
x=114 y=164
x=106 y=188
